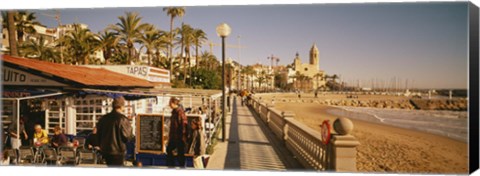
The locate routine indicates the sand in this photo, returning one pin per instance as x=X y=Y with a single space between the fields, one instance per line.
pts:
x=386 y=148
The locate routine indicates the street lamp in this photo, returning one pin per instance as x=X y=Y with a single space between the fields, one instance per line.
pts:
x=223 y=30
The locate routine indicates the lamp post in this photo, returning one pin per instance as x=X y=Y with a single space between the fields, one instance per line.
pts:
x=223 y=30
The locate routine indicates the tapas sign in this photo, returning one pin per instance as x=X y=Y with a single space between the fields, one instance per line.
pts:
x=325 y=130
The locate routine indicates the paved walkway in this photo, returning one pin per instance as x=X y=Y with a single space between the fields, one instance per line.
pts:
x=250 y=145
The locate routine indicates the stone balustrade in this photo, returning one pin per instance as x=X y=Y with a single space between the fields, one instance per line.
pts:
x=306 y=144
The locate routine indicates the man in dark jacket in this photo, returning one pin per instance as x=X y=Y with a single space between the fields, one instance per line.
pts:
x=177 y=136
x=115 y=130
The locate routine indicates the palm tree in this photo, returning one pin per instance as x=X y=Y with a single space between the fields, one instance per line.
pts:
x=173 y=12
x=209 y=61
x=149 y=39
x=248 y=71
x=160 y=44
x=199 y=38
x=120 y=54
x=261 y=78
x=129 y=30
x=24 y=23
x=107 y=43
x=12 y=41
x=38 y=49
x=186 y=39
x=334 y=77
x=80 y=43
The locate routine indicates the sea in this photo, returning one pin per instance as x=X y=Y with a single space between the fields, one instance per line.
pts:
x=451 y=124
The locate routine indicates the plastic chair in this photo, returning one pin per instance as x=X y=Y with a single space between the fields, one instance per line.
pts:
x=67 y=155
x=81 y=142
x=26 y=154
x=50 y=156
x=87 y=157
x=12 y=153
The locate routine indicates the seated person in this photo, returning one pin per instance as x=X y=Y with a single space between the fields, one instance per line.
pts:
x=59 y=139
x=40 y=137
x=92 y=140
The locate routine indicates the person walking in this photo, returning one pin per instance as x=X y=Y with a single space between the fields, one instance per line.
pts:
x=15 y=140
x=177 y=136
x=115 y=131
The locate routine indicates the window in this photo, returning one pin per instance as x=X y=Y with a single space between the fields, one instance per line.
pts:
x=306 y=69
x=89 y=111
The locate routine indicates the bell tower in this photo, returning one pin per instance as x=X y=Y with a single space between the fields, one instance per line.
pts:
x=314 y=60
x=297 y=61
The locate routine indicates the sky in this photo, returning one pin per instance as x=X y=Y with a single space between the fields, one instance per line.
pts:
x=425 y=43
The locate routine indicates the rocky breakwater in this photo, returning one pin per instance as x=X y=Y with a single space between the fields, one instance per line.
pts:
x=421 y=104
x=388 y=104
x=442 y=104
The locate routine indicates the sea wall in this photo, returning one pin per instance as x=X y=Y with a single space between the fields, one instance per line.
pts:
x=422 y=104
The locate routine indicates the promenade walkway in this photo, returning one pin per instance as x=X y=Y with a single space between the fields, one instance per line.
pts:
x=250 y=145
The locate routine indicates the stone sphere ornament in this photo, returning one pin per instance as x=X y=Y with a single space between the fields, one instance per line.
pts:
x=343 y=126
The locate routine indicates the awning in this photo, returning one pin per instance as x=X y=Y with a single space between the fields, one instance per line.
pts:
x=28 y=94
x=115 y=94
x=183 y=92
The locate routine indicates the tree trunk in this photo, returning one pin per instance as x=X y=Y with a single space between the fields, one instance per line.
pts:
x=129 y=59
x=170 y=54
x=106 y=56
x=182 y=59
x=85 y=60
x=20 y=36
x=157 y=55
x=196 y=55
x=148 y=56
x=185 y=62
x=11 y=33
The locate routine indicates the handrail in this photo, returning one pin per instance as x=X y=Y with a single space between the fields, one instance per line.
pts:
x=306 y=143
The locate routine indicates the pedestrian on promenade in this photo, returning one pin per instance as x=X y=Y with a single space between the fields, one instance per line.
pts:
x=197 y=144
x=177 y=136
x=115 y=131
x=243 y=96
x=59 y=139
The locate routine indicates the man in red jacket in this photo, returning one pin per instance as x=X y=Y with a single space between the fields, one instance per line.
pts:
x=114 y=130
x=177 y=136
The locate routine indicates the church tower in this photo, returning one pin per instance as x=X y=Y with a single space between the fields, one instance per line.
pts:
x=297 y=62
x=314 y=56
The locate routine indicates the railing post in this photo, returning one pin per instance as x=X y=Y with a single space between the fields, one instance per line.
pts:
x=287 y=115
x=259 y=106
x=269 y=112
x=344 y=146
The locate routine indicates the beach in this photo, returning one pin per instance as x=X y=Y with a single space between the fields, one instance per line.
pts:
x=387 y=148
